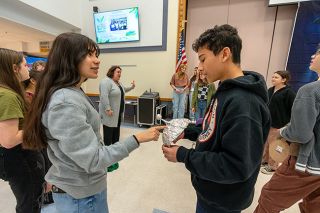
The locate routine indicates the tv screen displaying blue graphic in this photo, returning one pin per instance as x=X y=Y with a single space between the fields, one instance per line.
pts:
x=117 y=25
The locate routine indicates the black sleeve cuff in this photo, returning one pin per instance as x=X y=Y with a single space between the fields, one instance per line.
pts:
x=192 y=132
x=136 y=140
x=181 y=154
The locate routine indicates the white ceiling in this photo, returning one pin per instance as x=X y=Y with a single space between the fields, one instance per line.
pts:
x=14 y=32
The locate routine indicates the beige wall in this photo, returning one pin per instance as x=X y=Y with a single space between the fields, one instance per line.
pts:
x=255 y=23
x=254 y=20
x=148 y=69
x=281 y=43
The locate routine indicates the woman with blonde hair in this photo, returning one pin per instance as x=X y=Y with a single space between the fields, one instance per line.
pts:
x=203 y=92
x=179 y=83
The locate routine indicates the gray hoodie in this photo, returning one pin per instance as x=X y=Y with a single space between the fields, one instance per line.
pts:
x=78 y=157
x=304 y=128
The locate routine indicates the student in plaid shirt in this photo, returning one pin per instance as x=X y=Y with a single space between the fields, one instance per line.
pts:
x=203 y=92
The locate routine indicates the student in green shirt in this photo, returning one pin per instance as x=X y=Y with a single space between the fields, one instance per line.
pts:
x=203 y=92
x=21 y=168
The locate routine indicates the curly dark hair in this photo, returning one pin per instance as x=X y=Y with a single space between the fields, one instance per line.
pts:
x=219 y=37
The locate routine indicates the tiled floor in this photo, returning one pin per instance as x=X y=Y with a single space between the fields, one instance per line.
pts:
x=145 y=183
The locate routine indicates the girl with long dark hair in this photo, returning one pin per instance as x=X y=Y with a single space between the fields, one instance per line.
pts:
x=63 y=119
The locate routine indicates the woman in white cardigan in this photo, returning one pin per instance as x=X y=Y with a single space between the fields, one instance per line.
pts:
x=111 y=106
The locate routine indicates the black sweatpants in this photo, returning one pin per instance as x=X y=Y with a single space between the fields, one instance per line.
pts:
x=111 y=134
x=24 y=170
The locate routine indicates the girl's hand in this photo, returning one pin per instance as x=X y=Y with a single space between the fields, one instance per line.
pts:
x=151 y=134
x=109 y=112
x=177 y=90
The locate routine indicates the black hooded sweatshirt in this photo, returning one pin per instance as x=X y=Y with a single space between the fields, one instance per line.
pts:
x=280 y=104
x=226 y=161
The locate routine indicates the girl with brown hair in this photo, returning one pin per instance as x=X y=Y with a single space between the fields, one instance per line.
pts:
x=23 y=169
x=203 y=92
x=281 y=98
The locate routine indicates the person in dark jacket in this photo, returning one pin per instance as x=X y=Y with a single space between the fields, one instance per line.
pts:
x=281 y=98
x=226 y=160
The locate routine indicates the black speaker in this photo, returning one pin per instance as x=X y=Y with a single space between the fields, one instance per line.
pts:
x=146 y=109
x=95 y=9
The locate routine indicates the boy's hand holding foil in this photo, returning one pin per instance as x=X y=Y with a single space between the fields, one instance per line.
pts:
x=172 y=134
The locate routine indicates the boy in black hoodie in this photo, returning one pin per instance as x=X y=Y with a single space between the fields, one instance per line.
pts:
x=226 y=161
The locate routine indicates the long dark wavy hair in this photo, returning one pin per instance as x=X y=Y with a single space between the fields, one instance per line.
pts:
x=61 y=71
x=8 y=78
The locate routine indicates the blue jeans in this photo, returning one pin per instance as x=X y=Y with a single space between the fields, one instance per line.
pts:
x=201 y=209
x=201 y=109
x=95 y=203
x=179 y=104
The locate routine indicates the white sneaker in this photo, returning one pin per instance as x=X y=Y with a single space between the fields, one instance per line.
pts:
x=267 y=170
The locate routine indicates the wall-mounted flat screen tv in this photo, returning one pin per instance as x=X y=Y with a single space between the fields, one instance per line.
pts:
x=117 y=25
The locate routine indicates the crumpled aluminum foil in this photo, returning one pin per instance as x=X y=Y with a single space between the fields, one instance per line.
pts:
x=174 y=128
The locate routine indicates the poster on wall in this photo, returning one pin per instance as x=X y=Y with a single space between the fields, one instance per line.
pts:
x=304 y=42
x=117 y=25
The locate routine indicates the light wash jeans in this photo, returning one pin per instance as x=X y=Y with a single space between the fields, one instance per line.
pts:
x=96 y=203
x=201 y=109
x=179 y=104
